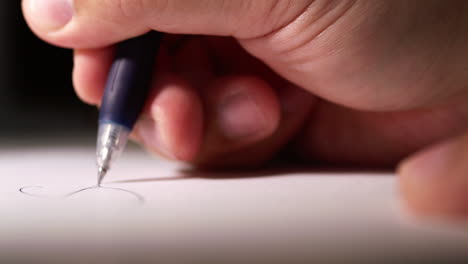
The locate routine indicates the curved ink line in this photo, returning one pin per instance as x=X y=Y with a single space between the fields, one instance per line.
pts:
x=23 y=191
x=138 y=197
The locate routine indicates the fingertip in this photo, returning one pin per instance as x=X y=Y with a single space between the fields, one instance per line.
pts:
x=179 y=111
x=48 y=18
x=80 y=24
x=44 y=16
x=175 y=128
x=434 y=182
x=90 y=72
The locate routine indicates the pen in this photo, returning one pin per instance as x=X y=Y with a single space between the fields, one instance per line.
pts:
x=125 y=94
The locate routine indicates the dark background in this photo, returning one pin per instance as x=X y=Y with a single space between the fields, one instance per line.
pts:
x=36 y=93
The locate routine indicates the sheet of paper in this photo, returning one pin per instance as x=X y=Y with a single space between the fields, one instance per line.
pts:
x=274 y=215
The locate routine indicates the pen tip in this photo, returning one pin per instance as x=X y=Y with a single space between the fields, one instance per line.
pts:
x=101 y=173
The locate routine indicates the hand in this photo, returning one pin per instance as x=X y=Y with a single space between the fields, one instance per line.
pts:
x=346 y=82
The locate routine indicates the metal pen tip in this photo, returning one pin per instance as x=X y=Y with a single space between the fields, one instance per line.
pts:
x=101 y=173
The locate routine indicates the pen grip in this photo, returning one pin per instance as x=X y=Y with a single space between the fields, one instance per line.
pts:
x=130 y=79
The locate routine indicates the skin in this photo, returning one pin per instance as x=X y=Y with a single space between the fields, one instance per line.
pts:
x=361 y=82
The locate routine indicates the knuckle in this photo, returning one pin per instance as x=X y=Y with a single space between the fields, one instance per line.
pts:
x=129 y=8
x=139 y=8
x=311 y=22
x=271 y=15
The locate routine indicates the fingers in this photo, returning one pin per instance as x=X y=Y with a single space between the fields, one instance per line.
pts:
x=206 y=109
x=91 y=68
x=172 y=125
x=241 y=111
x=237 y=112
x=90 y=23
x=238 y=124
x=339 y=135
x=435 y=181
x=244 y=133
x=90 y=72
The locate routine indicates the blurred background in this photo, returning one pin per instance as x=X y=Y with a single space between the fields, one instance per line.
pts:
x=36 y=93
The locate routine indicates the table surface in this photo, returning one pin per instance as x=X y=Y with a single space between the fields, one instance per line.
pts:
x=280 y=214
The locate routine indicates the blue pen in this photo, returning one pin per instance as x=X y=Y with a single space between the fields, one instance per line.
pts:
x=125 y=95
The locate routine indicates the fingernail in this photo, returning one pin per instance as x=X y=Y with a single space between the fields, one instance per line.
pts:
x=240 y=117
x=51 y=14
x=150 y=133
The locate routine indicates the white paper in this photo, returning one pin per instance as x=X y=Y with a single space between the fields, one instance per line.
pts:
x=277 y=215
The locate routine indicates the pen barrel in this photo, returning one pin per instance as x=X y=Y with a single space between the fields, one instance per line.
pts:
x=129 y=80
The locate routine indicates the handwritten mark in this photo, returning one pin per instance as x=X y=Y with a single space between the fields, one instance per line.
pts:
x=28 y=190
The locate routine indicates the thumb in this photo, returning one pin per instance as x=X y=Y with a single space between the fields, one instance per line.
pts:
x=91 y=23
x=435 y=181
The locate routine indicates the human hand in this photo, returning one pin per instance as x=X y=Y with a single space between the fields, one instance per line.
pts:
x=346 y=82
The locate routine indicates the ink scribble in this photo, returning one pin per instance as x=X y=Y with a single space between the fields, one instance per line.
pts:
x=29 y=190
